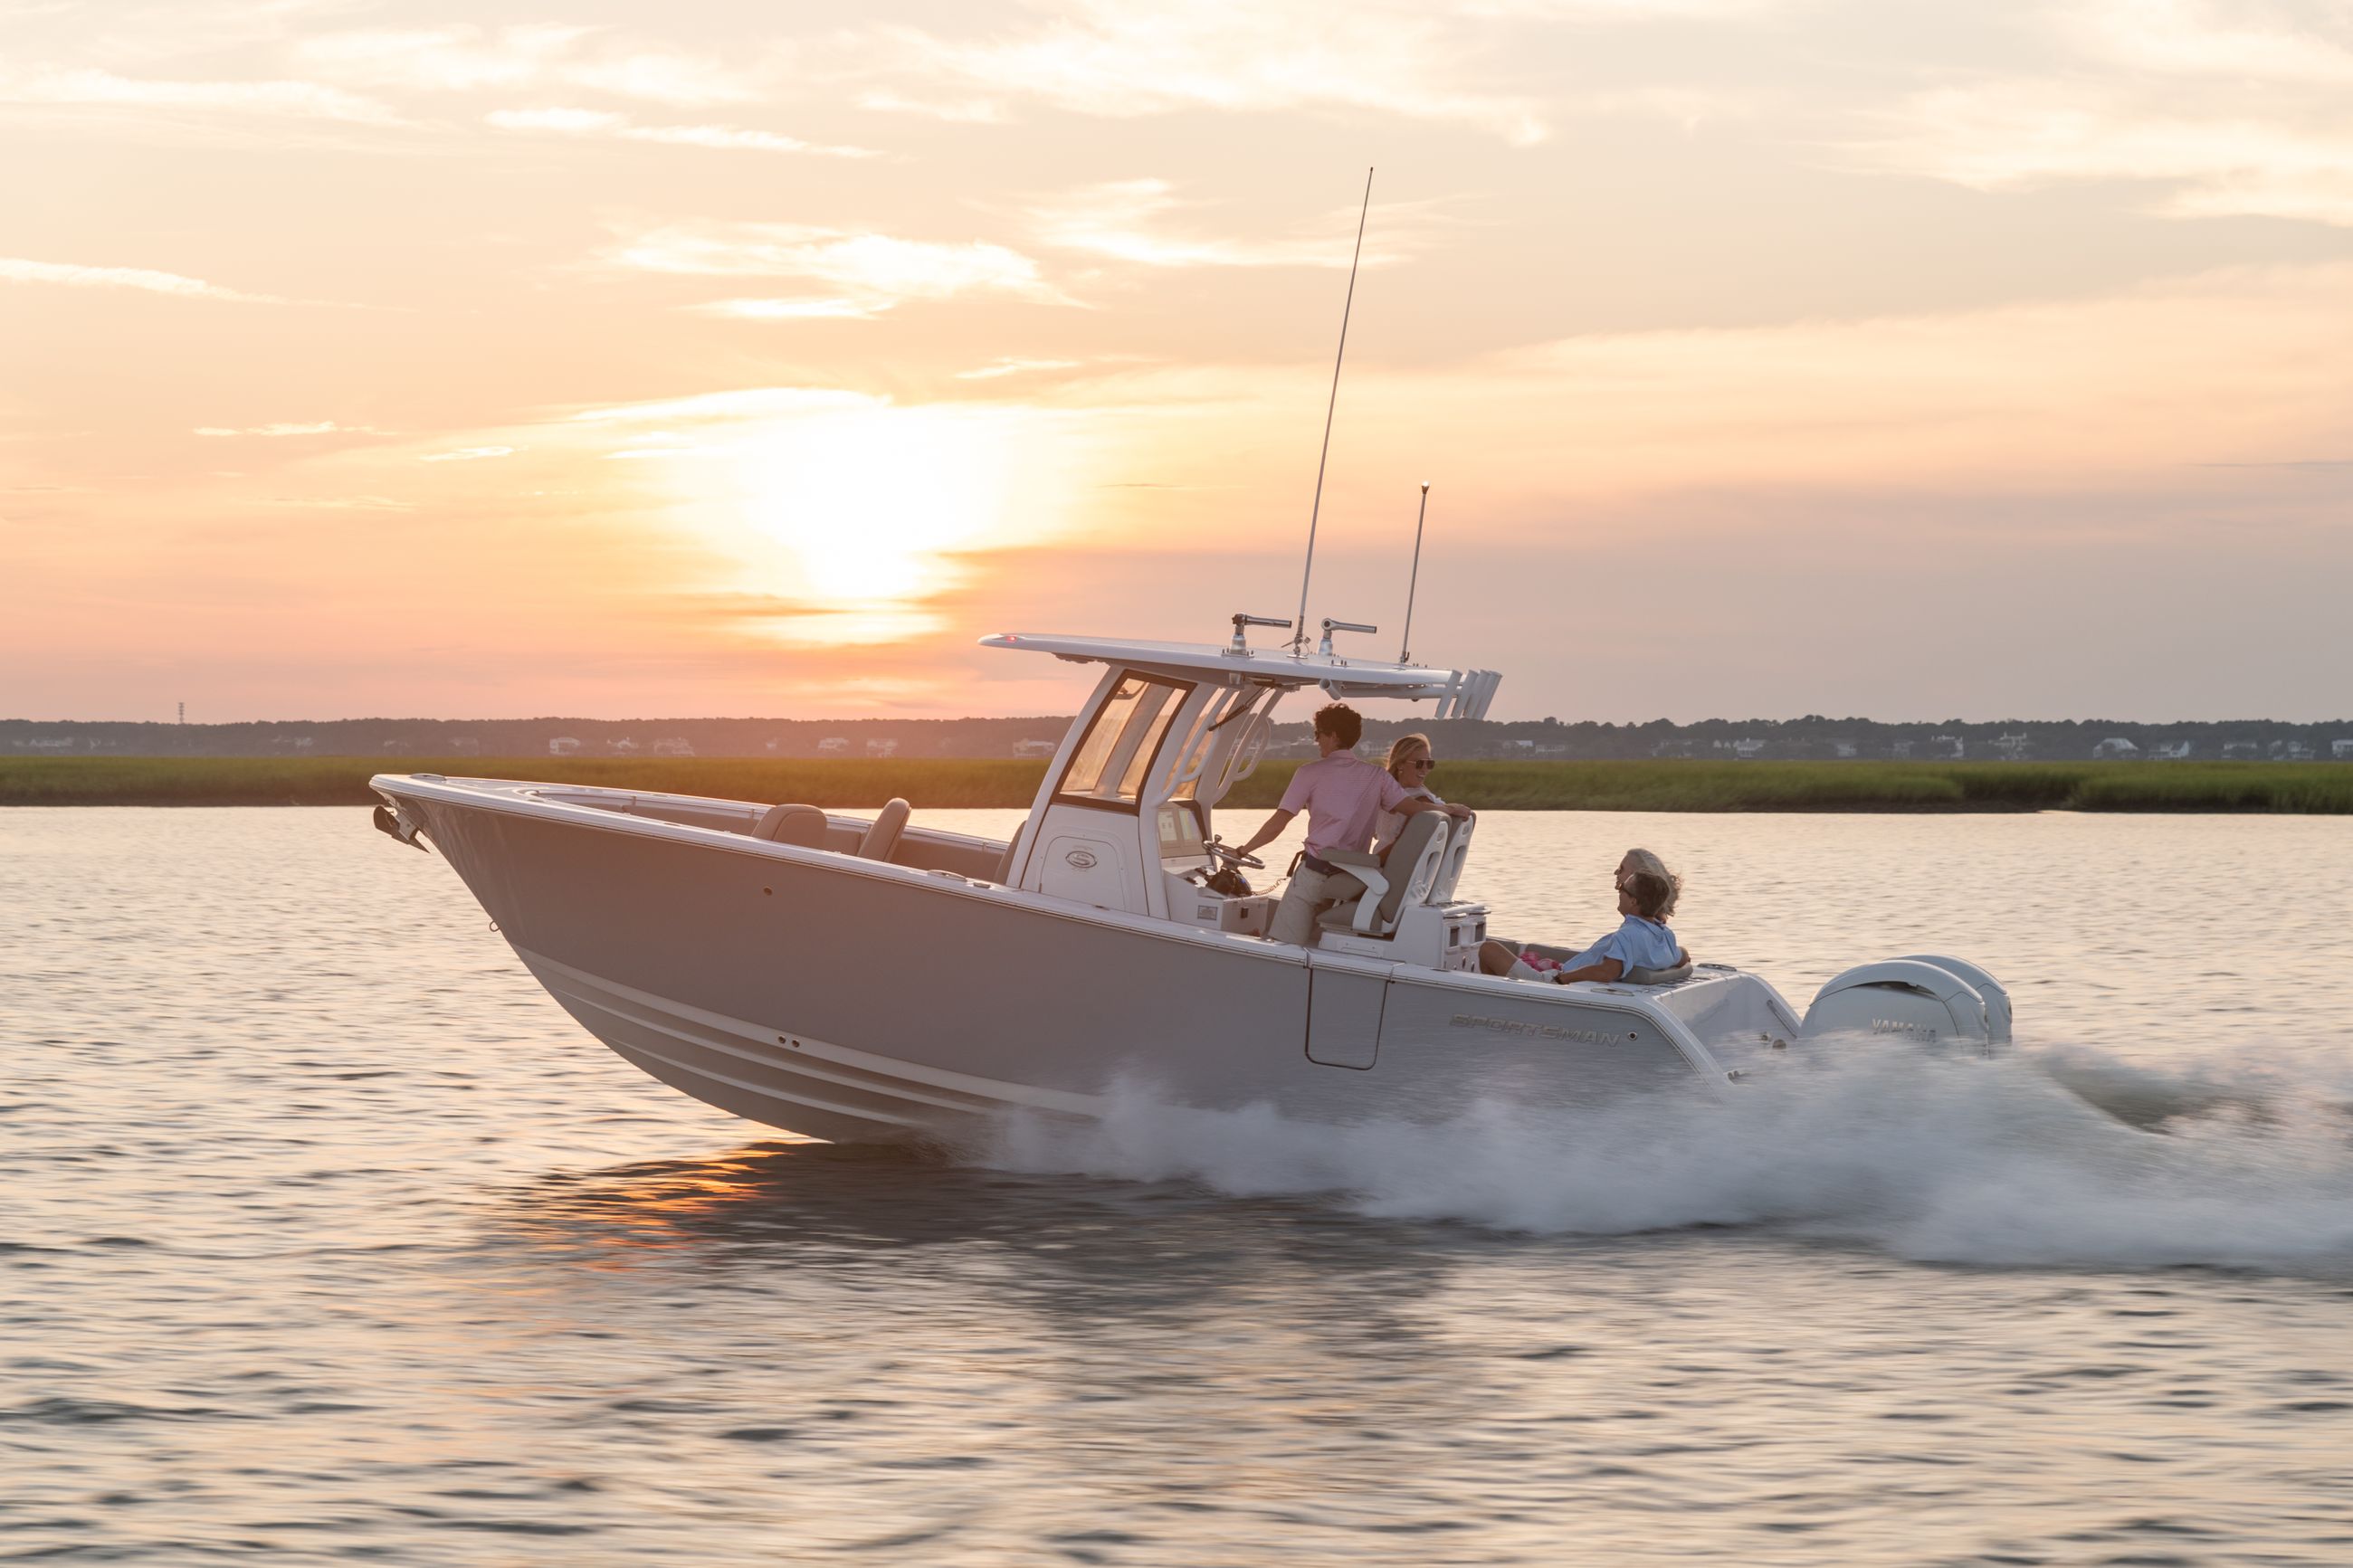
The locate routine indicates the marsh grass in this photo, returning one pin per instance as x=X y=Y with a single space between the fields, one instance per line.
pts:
x=1875 y=787
x=934 y=784
x=343 y=781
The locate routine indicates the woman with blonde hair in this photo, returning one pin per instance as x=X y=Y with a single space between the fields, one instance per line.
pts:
x=1642 y=860
x=1409 y=763
x=1647 y=892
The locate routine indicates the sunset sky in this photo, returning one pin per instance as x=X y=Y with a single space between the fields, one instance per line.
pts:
x=1765 y=357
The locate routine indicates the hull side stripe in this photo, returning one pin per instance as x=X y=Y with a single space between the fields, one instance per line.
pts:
x=995 y=1090
x=764 y=1091
x=798 y=1065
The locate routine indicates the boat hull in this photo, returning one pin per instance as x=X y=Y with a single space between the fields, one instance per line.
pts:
x=856 y=1001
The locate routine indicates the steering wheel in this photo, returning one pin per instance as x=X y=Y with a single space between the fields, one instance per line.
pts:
x=1233 y=857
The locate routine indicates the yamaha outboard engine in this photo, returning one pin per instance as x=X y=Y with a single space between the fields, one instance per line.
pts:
x=1926 y=998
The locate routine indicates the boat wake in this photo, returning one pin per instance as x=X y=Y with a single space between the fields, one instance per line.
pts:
x=2057 y=1158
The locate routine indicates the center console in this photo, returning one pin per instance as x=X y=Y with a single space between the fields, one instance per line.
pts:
x=1189 y=903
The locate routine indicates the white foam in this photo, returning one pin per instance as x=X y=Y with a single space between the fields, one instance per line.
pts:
x=1967 y=1161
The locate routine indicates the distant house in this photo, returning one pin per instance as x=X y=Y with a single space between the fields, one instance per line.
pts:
x=2341 y=749
x=1949 y=748
x=771 y=745
x=2241 y=752
x=452 y=746
x=2012 y=748
x=2177 y=752
x=2116 y=748
x=833 y=746
x=563 y=746
x=1037 y=748
x=64 y=745
x=674 y=747
x=882 y=748
x=1672 y=749
x=2291 y=751
x=1746 y=751
x=305 y=743
x=624 y=747
x=1842 y=747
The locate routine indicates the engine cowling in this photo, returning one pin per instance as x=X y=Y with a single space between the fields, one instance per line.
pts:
x=1927 y=1000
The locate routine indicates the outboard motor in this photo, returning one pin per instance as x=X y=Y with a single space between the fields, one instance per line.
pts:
x=1926 y=999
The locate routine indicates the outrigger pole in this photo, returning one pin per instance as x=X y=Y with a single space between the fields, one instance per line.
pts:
x=1299 y=641
x=1405 y=643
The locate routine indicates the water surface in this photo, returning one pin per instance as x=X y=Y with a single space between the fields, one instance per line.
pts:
x=324 y=1235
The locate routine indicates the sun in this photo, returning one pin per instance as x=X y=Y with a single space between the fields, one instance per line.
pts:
x=870 y=505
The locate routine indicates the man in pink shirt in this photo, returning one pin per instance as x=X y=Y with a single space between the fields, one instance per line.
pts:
x=1344 y=796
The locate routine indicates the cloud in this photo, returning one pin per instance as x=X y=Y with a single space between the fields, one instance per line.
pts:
x=1688 y=108
x=2023 y=136
x=345 y=503
x=1623 y=10
x=98 y=88
x=16 y=270
x=2251 y=364
x=1017 y=367
x=2253 y=41
x=467 y=454
x=1122 y=59
x=869 y=272
x=1118 y=220
x=746 y=403
x=2239 y=113
x=827 y=307
x=953 y=110
x=722 y=138
x=2316 y=465
x=688 y=449
x=324 y=428
x=468 y=59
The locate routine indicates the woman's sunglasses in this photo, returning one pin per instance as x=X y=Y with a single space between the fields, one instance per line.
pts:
x=1426 y=763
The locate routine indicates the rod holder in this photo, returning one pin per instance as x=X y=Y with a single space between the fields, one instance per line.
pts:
x=1239 y=647
x=1331 y=625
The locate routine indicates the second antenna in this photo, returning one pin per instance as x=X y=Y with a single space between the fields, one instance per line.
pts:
x=1299 y=641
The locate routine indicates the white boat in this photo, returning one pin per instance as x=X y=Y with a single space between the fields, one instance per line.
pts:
x=866 y=980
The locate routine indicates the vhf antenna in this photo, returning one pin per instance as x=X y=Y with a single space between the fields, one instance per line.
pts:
x=1405 y=644
x=1299 y=641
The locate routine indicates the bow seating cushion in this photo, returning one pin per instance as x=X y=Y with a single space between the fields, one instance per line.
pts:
x=883 y=836
x=799 y=825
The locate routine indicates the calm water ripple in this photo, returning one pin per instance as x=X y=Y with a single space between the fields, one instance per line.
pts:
x=324 y=1237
